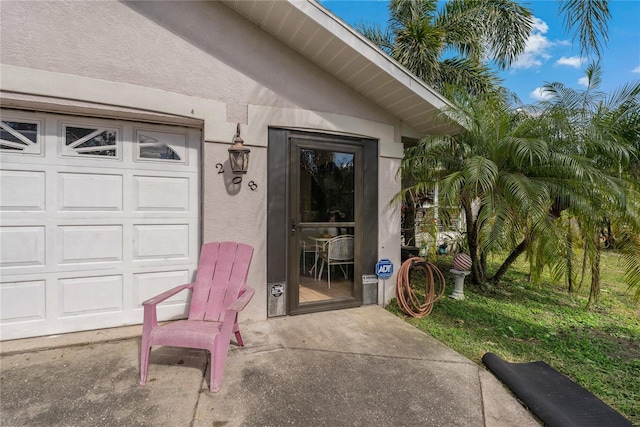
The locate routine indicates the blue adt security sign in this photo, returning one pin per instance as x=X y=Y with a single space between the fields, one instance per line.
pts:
x=384 y=269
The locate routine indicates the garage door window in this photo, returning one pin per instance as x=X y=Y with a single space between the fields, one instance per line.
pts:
x=82 y=141
x=151 y=148
x=20 y=136
x=161 y=146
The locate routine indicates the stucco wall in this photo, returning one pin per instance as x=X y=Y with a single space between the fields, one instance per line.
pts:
x=202 y=62
x=196 y=48
x=237 y=213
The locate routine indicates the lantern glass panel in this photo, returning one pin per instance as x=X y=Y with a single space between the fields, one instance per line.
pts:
x=239 y=161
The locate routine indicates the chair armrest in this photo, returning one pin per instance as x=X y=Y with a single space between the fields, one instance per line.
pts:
x=167 y=294
x=242 y=301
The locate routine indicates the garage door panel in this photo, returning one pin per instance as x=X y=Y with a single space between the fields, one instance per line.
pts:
x=101 y=216
x=148 y=285
x=96 y=294
x=22 y=190
x=172 y=312
x=161 y=241
x=22 y=301
x=89 y=243
x=22 y=246
x=155 y=193
x=90 y=192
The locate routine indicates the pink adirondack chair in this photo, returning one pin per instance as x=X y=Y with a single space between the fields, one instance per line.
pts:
x=218 y=294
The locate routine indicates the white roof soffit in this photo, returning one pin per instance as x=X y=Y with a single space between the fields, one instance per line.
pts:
x=320 y=36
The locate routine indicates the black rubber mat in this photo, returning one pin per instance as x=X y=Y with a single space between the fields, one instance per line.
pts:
x=552 y=396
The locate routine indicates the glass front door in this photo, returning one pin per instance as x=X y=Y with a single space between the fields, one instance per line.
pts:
x=325 y=232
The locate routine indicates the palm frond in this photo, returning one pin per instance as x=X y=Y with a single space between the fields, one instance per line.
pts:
x=379 y=35
x=480 y=174
x=590 y=17
x=481 y=30
x=476 y=77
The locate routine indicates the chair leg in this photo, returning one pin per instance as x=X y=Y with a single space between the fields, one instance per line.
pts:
x=344 y=271
x=329 y=275
x=218 y=359
x=236 y=331
x=145 y=353
x=321 y=269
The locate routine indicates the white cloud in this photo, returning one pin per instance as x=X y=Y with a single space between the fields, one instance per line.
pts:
x=636 y=70
x=537 y=47
x=584 y=81
x=539 y=94
x=540 y=26
x=572 y=61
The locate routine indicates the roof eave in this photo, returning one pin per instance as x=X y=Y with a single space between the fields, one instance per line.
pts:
x=320 y=36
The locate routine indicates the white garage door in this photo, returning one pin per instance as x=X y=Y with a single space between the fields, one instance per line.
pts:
x=96 y=216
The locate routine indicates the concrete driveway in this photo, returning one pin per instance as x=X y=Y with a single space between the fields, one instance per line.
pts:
x=357 y=367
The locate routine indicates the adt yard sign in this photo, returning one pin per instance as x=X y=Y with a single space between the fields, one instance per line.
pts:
x=384 y=269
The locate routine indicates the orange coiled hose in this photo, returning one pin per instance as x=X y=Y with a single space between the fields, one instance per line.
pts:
x=408 y=301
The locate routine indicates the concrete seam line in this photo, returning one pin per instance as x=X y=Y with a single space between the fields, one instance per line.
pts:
x=469 y=362
x=59 y=346
x=202 y=384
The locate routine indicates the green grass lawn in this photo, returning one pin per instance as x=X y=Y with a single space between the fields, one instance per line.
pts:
x=524 y=322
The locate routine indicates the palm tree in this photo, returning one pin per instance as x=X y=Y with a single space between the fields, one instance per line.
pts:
x=486 y=171
x=524 y=176
x=601 y=132
x=454 y=45
x=451 y=47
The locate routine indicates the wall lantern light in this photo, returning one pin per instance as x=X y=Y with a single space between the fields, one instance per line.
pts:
x=239 y=155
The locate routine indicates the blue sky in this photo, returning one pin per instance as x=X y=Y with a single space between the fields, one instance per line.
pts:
x=551 y=54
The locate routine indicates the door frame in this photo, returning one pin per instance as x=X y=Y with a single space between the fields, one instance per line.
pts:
x=278 y=218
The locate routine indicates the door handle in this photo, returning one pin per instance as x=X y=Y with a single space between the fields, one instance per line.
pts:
x=293 y=225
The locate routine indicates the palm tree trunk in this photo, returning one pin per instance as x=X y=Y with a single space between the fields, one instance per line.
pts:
x=585 y=256
x=515 y=253
x=483 y=263
x=610 y=242
x=594 y=292
x=477 y=274
x=569 y=258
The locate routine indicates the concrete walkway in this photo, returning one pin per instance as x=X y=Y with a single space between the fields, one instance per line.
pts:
x=358 y=367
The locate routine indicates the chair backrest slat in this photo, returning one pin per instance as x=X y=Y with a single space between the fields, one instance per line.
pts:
x=206 y=269
x=224 y=267
x=236 y=283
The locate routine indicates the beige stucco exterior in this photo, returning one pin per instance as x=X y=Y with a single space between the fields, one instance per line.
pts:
x=197 y=64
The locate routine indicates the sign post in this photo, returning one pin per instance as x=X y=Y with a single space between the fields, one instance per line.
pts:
x=384 y=270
